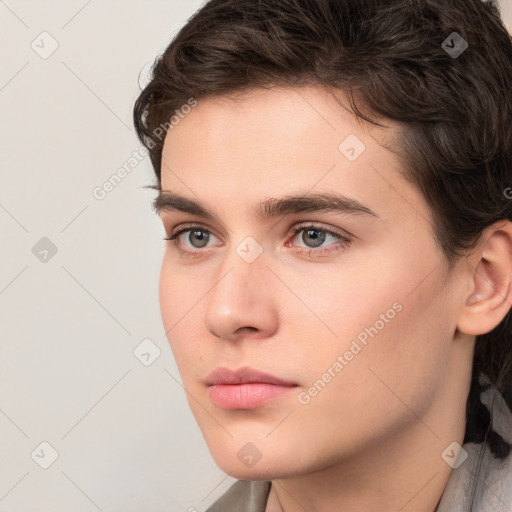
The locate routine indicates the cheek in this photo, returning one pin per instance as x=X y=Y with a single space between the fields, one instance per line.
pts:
x=180 y=290
x=167 y=293
x=387 y=314
x=176 y=298
x=181 y=294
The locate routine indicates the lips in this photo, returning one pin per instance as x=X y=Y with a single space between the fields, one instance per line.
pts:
x=245 y=375
x=245 y=388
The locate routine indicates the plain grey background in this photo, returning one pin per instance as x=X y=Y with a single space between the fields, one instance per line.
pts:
x=79 y=275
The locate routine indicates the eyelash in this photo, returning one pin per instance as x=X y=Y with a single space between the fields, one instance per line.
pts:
x=344 y=240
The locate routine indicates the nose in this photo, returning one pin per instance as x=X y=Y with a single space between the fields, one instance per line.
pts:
x=242 y=302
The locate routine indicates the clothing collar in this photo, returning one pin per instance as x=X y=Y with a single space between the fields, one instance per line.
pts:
x=483 y=483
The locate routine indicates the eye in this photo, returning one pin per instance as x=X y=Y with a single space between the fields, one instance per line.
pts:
x=314 y=236
x=197 y=237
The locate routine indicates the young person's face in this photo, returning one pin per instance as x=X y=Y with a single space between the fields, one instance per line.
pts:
x=364 y=324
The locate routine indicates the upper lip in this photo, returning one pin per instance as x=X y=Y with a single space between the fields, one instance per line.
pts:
x=223 y=375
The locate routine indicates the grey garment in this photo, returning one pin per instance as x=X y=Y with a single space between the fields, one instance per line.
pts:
x=243 y=496
x=482 y=483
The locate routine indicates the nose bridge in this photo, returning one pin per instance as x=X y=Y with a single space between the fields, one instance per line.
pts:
x=238 y=279
x=240 y=296
x=244 y=265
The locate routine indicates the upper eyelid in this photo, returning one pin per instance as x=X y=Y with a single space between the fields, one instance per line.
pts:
x=320 y=227
x=180 y=230
x=189 y=227
x=170 y=216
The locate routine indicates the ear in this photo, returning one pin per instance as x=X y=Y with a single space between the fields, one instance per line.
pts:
x=490 y=296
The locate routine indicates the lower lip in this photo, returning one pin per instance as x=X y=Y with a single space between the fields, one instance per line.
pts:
x=246 y=396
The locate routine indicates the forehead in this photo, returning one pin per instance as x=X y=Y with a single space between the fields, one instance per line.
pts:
x=278 y=110
x=271 y=142
x=279 y=126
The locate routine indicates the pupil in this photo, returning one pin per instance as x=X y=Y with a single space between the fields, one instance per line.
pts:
x=318 y=240
x=199 y=235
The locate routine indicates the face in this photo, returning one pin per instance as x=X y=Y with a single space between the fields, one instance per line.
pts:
x=351 y=307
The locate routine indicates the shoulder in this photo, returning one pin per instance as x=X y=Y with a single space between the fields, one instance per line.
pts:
x=243 y=495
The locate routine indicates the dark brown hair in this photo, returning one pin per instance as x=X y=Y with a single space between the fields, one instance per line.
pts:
x=392 y=58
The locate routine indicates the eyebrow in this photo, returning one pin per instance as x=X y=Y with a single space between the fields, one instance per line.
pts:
x=168 y=201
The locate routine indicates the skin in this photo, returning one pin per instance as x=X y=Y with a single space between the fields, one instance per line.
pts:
x=372 y=438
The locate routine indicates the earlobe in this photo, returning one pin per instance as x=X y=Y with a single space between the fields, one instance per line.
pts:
x=490 y=298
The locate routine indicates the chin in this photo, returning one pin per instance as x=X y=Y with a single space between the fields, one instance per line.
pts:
x=240 y=466
x=260 y=471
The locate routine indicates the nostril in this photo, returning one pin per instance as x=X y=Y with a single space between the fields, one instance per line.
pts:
x=249 y=327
